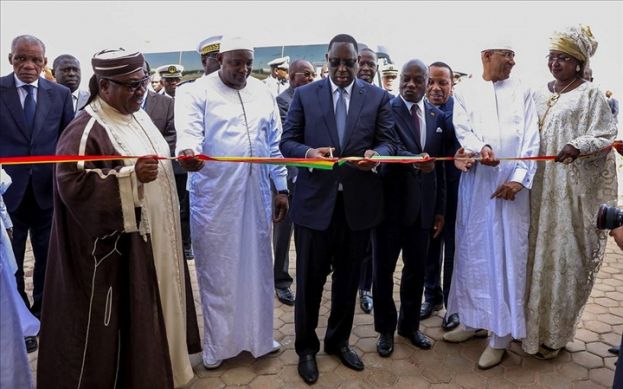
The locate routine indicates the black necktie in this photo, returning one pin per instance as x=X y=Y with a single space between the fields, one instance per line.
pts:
x=29 y=107
x=416 y=121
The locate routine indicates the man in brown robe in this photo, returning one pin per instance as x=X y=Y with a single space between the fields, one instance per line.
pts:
x=118 y=309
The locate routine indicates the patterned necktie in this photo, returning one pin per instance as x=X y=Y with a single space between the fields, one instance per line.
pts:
x=415 y=114
x=340 y=115
x=29 y=107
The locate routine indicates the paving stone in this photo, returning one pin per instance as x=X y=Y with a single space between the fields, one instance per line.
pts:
x=586 y=359
x=555 y=380
x=586 y=336
x=499 y=383
x=238 y=376
x=470 y=380
x=572 y=370
x=208 y=383
x=520 y=376
x=602 y=376
x=412 y=383
x=598 y=348
x=597 y=326
x=610 y=362
x=588 y=384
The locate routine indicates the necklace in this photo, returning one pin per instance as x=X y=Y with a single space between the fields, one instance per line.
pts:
x=552 y=100
x=556 y=95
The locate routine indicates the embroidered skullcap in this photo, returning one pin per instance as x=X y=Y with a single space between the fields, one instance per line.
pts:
x=112 y=63
x=577 y=41
x=210 y=45
x=498 y=43
x=231 y=43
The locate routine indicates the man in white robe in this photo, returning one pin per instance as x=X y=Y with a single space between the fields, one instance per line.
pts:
x=494 y=116
x=228 y=113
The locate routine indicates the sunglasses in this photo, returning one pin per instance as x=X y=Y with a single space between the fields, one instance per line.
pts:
x=132 y=85
x=349 y=63
x=306 y=74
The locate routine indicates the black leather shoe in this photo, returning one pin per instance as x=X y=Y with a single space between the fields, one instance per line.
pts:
x=385 y=344
x=31 y=344
x=614 y=350
x=427 y=309
x=188 y=254
x=348 y=357
x=365 y=300
x=308 y=369
x=418 y=339
x=285 y=296
x=450 y=322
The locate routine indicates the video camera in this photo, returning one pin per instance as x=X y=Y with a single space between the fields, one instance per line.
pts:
x=609 y=218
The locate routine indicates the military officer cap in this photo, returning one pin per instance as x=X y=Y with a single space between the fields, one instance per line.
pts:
x=170 y=71
x=210 y=45
x=389 y=70
x=280 y=63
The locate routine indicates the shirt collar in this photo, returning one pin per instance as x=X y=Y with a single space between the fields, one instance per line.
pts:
x=348 y=88
x=409 y=104
x=19 y=83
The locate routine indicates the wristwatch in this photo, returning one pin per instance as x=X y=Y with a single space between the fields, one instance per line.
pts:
x=285 y=192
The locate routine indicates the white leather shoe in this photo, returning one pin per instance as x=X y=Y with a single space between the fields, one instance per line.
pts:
x=276 y=347
x=491 y=357
x=460 y=334
x=212 y=366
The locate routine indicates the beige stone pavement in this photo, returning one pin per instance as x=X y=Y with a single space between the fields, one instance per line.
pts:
x=585 y=363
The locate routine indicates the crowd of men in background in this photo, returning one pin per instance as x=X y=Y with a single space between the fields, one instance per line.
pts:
x=116 y=232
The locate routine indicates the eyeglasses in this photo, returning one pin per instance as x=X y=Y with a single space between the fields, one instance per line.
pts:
x=560 y=58
x=349 y=63
x=306 y=74
x=132 y=85
x=505 y=53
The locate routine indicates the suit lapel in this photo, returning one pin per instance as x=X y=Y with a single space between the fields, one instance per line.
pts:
x=431 y=125
x=149 y=103
x=325 y=102
x=14 y=106
x=357 y=98
x=44 y=100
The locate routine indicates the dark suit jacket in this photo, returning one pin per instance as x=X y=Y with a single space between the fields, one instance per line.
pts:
x=452 y=144
x=283 y=102
x=54 y=111
x=311 y=124
x=160 y=109
x=409 y=192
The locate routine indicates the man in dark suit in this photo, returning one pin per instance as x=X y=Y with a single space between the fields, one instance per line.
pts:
x=334 y=211
x=414 y=206
x=439 y=93
x=300 y=73
x=66 y=70
x=33 y=112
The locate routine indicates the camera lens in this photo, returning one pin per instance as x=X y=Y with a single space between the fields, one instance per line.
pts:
x=609 y=218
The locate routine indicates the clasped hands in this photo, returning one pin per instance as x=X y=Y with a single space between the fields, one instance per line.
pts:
x=366 y=164
x=464 y=160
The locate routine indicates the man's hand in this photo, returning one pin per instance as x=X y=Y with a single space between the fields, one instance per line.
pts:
x=281 y=207
x=488 y=157
x=190 y=164
x=146 y=169
x=368 y=163
x=568 y=154
x=438 y=226
x=617 y=234
x=507 y=191
x=425 y=167
x=320 y=152
x=463 y=160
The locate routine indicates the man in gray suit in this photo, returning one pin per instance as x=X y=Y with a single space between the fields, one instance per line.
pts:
x=66 y=70
x=301 y=72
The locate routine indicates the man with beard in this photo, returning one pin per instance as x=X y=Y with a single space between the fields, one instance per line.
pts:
x=229 y=113
x=441 y=250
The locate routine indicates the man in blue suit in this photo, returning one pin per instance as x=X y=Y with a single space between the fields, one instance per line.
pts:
x=414 y=207
x=441 y=250
x=33 y=112
x=334 y=211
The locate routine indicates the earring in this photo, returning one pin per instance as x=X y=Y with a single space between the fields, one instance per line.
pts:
x=577 y=68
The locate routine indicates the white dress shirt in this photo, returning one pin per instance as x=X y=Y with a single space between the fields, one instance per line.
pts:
x=22 y=92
